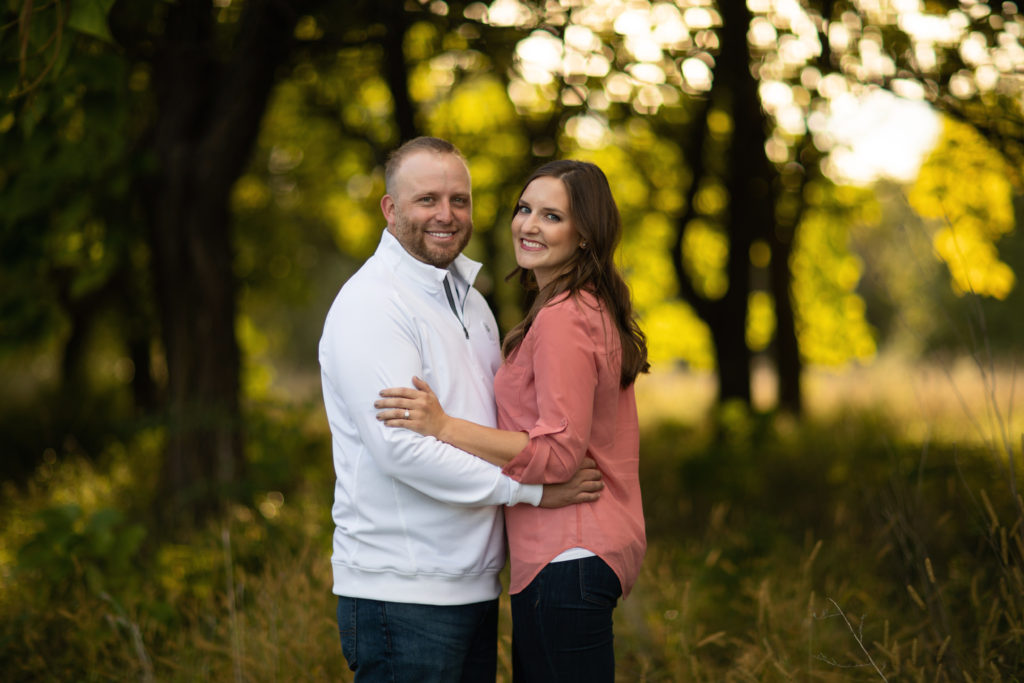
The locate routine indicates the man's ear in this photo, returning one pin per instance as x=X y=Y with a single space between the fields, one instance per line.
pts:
x=387 y=207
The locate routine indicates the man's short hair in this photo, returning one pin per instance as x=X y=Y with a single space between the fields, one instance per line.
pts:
x=422 y=143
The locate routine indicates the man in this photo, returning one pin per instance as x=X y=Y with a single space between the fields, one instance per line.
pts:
x=419 y=536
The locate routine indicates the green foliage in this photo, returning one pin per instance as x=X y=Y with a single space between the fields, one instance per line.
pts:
x=90 y=17
x=832 y=327
x=64 y=175
x=774 y=549
x=646 y=173
x=72 y=232
x=71 y=240
x=287 y=448
x=71 y=547
x=774 y=546
x=769 y=540
x=969 y=218
x=87 y=596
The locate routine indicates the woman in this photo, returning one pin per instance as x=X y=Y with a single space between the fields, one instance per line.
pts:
x=564 y=393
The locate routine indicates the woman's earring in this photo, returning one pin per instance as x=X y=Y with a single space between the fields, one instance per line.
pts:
x=583 y=244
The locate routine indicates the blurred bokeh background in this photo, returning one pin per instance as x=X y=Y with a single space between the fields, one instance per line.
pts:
x=821 y=201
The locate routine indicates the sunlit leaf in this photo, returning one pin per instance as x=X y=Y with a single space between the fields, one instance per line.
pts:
x=969 y=217
x=90 y=17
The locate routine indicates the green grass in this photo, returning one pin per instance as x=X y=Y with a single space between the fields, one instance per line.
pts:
x=852 y=546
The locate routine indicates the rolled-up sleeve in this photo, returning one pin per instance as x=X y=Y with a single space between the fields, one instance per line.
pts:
x=382 y=351
x=565 y=374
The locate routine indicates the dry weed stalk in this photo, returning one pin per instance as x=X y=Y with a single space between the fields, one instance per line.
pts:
x=236 y=636
x=138 y=645
x=1006 y=544
x=858 y=636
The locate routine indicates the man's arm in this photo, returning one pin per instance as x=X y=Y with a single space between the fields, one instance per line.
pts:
x=427 y=417
x=371 y=347
x=496 y=446
x=584 y=487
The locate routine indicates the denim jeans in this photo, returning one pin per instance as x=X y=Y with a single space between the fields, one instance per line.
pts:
x=397 y=642
x=562 y=624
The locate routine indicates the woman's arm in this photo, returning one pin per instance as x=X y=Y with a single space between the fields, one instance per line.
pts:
x=425 y=416
x=565 y=359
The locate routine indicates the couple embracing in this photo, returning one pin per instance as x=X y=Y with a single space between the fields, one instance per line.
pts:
x=536 y=436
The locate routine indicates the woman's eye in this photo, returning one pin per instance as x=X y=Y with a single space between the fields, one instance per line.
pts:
x=553 y=217
x=522 y=209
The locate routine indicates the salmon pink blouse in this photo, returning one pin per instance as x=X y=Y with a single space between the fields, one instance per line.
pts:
x=561 y=387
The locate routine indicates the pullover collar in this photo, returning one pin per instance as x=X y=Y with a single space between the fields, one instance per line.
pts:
x=424 y=274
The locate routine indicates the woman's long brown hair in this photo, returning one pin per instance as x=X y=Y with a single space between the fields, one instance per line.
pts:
x=592 y=267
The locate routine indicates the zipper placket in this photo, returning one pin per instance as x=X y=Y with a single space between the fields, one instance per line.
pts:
x=455 y=310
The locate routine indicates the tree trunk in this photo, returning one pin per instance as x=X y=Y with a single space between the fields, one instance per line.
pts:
x=728 y=333
x=749 y=200
x=396 y=23
x=209 y=116
x=787 y=351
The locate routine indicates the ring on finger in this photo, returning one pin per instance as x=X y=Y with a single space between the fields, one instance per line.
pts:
x=407 y=414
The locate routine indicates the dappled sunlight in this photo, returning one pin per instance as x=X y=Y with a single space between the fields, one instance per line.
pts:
x=968 y=218
x=877 y=135
x=760 y=321
x=831 y=325
x=675 y=43
x=754 y=547
x=651 y=58
x=861 y=158
x=706 y=250
x=671 y=394
x=955 y=401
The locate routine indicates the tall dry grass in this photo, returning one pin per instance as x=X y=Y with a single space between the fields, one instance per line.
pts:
x=878 y=540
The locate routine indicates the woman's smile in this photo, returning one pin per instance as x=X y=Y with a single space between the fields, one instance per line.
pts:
x=545 y=237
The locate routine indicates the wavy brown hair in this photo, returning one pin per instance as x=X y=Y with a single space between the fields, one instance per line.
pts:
x=592 y=267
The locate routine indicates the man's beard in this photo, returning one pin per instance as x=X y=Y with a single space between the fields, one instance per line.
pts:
x=413 y=237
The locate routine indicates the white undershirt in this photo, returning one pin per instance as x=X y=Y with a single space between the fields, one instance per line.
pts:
x=572 y=554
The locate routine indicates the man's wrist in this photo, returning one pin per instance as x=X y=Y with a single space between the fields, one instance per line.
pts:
x=531 y=494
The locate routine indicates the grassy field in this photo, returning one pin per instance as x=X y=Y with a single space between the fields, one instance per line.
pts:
x=878 y=539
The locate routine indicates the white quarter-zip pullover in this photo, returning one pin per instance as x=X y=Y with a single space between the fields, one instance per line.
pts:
x=417 y=520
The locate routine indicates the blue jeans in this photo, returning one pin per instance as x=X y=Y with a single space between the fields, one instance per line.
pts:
x=562 y=624
x=398 y=642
